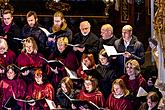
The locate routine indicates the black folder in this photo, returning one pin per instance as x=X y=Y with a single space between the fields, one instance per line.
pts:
x=12 y=103
x=86 y=104
x=53 y=63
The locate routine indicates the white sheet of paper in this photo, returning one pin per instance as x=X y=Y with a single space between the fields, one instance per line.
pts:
x=141 y=92
x=84 y=67
x=111 y=50
x=46 y=31
x=72 y=74
x=51 y=104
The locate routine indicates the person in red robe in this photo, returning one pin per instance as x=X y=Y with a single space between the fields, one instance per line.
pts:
x=89 y=62
x=65 y=55
x=6 y=55
x=29 y=55
x=12 y=85
x=119 y=98
x=39 y=90
x=133 y=80
x=91 y=92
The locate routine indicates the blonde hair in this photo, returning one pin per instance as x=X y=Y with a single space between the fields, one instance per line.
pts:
x=122 y=85
x=62 y=40
x=30 y=40
x=127 y=28
x=107 y=27
x=59 y=14
x=4 y=44
x=68 y=83
x=135 y=65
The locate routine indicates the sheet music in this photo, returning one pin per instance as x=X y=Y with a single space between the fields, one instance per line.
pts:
x=17 y=39
x=72 y=74
x=111 y=50
x=51 y=104
x=84 y=67
x=45 y=31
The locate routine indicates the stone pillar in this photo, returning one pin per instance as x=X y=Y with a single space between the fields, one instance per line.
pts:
x=159 y=28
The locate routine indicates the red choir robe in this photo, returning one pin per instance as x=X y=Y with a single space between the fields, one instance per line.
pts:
x=8 y=87
x=122 y=103
x=25 y=59
x=39 y=92
x=67 y=57
x=133 y=85
x=7 y=58
x=95 y=96
x=81 y=74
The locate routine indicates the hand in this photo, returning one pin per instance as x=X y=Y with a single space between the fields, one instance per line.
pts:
x=75 y=48
x=32 y=104
x=82 y=108
x=73 y=107
x=54 y=70
x=51 y=39
x=25 y=73
x=127 y=54
x=81 y=49
x=5 y=37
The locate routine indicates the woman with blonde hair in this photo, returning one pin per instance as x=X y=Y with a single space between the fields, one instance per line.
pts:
x=119 y=98
x=66 y=55
x=134 y=80
x=7 y=56
x=29 y=55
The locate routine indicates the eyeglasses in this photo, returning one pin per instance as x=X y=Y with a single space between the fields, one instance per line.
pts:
x=130 y=67
x=2 y=48
x=87 y=83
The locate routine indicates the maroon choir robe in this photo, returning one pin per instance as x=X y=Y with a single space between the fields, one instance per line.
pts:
x=81 y=73
x=133 y=85
x=121 y=103
x=25 y=59
x=8 y=87
x=95 y=96
x=7 y=58
x=39 y=92
x=67 y=57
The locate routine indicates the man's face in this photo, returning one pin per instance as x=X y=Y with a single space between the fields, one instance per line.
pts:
x=85 y=29
x=7 y=19
x=105 y=33
x=31 y=21
x=126 y=35
x=57 y=21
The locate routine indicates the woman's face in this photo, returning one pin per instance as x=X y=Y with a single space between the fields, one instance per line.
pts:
x=38 y=79
x=61 y=47
x=103 y=60
x=130 y=70
x=117 y=89
x=63 y=87
x=10 y=74
x=151 y=104
x=2 y=49
x=29 y=48
x=88 y=85
x=87 y=62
